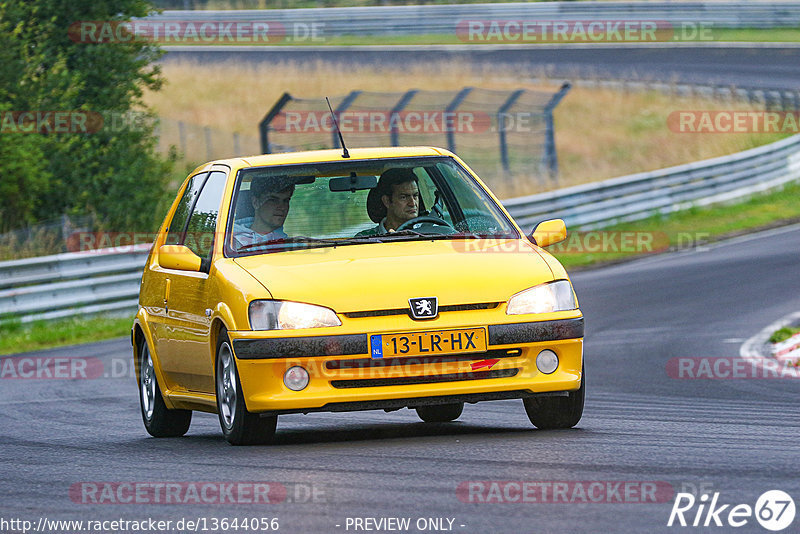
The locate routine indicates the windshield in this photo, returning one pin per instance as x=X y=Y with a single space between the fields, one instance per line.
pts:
x=349 y=203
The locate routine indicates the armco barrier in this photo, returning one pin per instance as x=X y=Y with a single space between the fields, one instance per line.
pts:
x=75 y=283
x=642 y=195
x=438 y=19
x=107 y=281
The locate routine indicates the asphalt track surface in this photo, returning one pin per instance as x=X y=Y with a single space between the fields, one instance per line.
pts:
x=741 y=65
x=738 y=437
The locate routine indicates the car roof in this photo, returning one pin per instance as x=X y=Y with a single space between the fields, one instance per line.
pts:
x=320 y=156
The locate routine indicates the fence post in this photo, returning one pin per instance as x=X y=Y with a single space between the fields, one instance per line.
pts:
x=66 y=230
x=263 y=126
x=400 y=106
x=348 y=100
x=501 y=128
x=451 y=107
x=550 y=159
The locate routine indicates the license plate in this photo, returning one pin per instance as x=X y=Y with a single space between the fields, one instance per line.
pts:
x=427 y=343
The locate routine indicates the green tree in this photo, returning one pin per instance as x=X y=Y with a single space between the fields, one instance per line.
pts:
x=113 y=173
x=23 y=172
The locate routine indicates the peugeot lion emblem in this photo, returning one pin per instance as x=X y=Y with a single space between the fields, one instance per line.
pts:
x=424 y=307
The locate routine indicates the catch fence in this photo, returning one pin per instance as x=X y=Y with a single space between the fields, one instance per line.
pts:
x=507 y=136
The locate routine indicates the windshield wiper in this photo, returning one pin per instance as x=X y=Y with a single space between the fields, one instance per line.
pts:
x=402 y=233
x=411 y=235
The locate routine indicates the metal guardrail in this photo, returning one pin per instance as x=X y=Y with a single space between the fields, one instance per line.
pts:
x=74 y=284
x=642 y=195
x=784 y=99
x=437 y=19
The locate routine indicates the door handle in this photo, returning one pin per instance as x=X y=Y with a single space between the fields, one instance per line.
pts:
x=166 y=296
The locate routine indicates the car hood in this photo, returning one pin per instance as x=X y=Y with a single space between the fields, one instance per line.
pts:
x=385 y=275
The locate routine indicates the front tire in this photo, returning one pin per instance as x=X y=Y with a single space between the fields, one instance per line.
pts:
x=549 y=413
x=239 y=426
x=160 y=421
x=441 y=413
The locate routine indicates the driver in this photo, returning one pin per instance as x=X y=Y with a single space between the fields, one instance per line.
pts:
x=399 y=194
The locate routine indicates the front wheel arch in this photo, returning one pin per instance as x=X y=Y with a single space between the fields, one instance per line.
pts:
x=238 y=424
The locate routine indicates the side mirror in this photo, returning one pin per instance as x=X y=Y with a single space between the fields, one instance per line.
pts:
x=178 y=257
x=549 y=232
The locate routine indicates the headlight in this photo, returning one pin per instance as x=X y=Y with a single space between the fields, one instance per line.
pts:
x=545 y=298
x=281 y=315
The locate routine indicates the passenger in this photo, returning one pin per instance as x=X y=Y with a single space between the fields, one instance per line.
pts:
x=270 y=199
x=396 y=197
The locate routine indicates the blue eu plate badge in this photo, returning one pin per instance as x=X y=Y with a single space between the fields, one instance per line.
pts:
x=377 y=347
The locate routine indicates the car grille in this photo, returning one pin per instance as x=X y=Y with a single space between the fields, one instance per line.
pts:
x=406 y=311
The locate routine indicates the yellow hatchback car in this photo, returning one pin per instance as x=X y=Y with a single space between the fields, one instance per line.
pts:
x=313 y=282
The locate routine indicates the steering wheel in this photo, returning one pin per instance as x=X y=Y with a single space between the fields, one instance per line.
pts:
x=422 y=219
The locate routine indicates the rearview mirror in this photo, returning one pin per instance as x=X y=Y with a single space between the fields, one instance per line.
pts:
x=352 y=183
x=549 y=232
x=178 y=257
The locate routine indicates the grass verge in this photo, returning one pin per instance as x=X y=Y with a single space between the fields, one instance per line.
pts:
x=680 y=231
x=16 y=337
x=784 y=333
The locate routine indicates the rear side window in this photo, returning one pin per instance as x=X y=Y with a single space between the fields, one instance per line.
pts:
x=178 y=223
x=203 y=221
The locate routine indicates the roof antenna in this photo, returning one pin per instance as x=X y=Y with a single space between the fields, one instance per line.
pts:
x=345 y=153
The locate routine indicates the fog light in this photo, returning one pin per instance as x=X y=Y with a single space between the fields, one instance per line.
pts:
x=546 y=361
x=295 y=378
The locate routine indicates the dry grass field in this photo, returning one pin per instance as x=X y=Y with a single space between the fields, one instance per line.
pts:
x=600 y=133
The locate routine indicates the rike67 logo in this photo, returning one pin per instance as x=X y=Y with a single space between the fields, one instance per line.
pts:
x=774 y=510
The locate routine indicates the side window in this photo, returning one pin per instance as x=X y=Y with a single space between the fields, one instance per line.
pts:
x=203 y=221
x=176 y=226
x=432 y=197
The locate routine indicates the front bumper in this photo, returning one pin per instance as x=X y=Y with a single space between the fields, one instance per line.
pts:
x=344 y=376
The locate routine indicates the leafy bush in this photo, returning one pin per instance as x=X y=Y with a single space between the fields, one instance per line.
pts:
x=114 y=173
